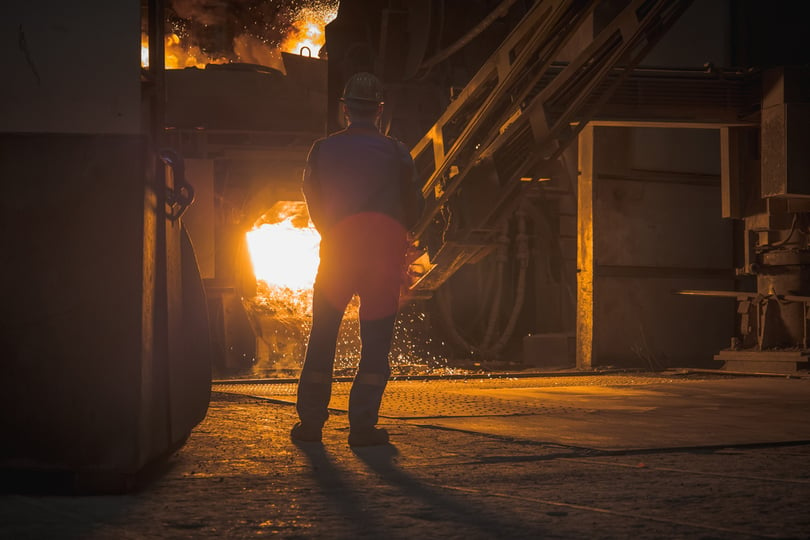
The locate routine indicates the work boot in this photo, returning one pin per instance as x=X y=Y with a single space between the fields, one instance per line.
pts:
x=368 y=437
x=305 y=433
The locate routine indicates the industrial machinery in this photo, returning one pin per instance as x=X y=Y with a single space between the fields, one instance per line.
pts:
x=246 y=157
x=531 y=124
x=586 y=173
x=599 y=192
x=766 y=173
x=107 y=357
x=130 y=188
x=539 y=130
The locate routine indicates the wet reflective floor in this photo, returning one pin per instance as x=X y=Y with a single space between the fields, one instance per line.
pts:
x=659 y=455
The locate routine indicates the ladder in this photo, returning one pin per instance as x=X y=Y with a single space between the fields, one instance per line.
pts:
x=516 y=117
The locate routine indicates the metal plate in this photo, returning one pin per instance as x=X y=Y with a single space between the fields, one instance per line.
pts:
x=474 y=397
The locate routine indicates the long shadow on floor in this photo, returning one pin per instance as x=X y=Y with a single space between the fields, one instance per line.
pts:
x=438 y=504
x=344 y=495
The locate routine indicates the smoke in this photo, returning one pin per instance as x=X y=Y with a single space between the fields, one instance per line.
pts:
x=235 y=29
x=207 y=12
x=251 y=50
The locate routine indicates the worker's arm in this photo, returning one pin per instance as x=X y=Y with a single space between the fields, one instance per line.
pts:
x=311 y=188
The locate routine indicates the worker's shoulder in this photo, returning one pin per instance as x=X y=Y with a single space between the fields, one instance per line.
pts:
x=394 y=140
x=336 y=141
x=400 y=146
x=332 y=138
x=362 y=137
x=347 y=139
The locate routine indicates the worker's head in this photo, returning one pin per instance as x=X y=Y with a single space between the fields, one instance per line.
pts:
x=362 y=97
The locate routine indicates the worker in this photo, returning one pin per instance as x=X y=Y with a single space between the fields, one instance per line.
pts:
x=362 y=196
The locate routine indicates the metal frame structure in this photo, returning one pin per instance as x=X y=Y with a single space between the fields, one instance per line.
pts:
x=520 y=111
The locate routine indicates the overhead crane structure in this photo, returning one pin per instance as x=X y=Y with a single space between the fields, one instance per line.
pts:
x=520 y=112
x=509 y=136
x=504 y=137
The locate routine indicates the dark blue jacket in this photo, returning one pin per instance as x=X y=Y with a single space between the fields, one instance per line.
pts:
x=360 y=170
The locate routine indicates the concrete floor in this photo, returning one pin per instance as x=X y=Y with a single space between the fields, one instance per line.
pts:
x=673 y=455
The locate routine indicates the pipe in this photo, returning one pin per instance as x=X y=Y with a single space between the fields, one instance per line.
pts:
x=446 y=53
x=443 y=298
x=520 y=289
x=486 y=347
x=496 y=303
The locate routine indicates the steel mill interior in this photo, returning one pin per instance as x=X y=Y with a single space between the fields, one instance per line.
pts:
x=611 y=187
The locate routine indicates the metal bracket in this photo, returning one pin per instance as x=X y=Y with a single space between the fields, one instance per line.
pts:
x=179 y=193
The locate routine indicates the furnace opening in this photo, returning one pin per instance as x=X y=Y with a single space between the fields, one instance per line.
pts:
x=283 y=247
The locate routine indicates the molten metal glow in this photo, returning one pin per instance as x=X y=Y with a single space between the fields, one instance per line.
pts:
x=144 y=50
x=177 y=56
x=308 y=35
x=284 y=255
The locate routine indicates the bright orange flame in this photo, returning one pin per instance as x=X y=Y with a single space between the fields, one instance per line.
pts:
x=307 y=38
x=308 y=35
x=284 y=255
x=144 y=50
x=177 y=56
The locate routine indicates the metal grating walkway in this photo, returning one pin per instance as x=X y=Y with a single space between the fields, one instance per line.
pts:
x=465 y=397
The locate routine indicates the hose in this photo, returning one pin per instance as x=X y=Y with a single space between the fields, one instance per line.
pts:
x=520 y=289
x=496 y=302
x=443 y=298
x=487 y=347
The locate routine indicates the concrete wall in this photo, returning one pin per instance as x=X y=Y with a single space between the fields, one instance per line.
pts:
x=658 y=229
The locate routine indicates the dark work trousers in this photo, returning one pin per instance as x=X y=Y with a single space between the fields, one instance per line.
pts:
x=363 y=256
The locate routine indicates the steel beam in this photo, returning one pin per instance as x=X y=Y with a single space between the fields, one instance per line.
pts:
x=586 y=267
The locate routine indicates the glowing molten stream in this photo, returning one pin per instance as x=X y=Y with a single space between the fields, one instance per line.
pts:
x=284 y=255
x=307 y=35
